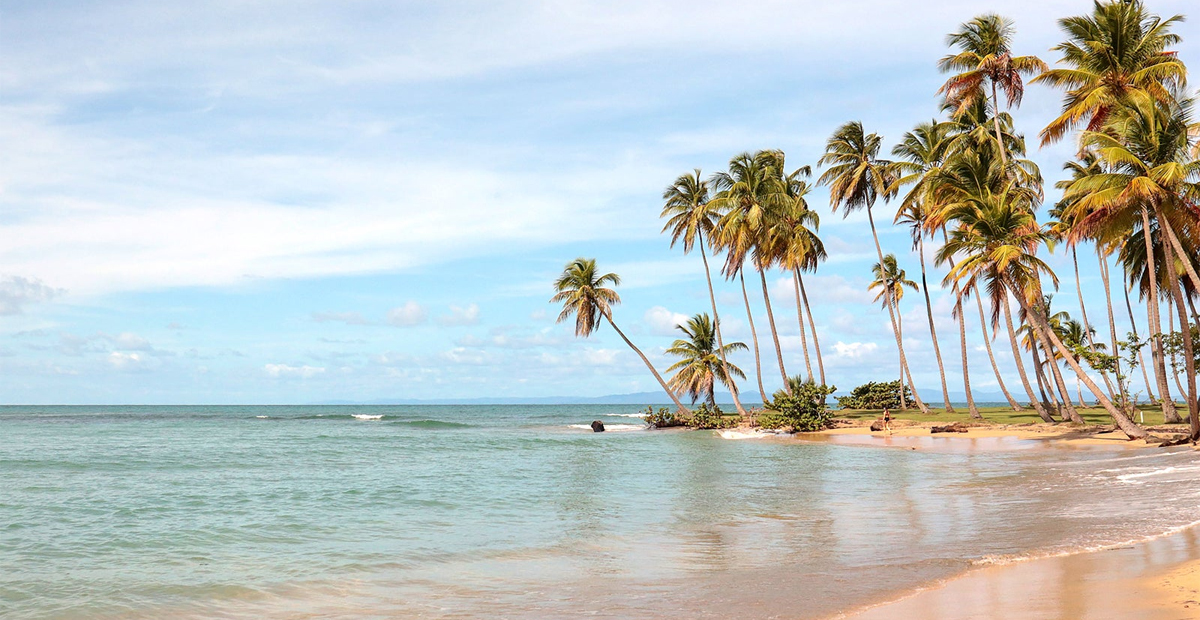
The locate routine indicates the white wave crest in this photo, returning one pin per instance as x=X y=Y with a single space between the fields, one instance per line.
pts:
x=754 y=434
x=625 y=415
x=367 y=416
x=262 y=416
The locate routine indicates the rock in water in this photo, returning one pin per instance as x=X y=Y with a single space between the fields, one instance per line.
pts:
x=598 y=426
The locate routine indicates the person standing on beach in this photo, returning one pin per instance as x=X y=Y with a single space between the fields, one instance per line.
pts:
x=887 y=419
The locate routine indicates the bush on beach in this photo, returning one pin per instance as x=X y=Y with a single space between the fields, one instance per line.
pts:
x=803 y=410
x=875 y=396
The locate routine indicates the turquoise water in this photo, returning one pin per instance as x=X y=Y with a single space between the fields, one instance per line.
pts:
x=521 y=512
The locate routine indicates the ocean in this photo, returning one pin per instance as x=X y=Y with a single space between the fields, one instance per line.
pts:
x=522 y=512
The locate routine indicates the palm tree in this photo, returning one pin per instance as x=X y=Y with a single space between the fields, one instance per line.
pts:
x=703 y=363
x=581 y=290
x=690 y=218
x=1037 y=405
x=748 y=194
x=856 y=179
x=891 y=281
x=920 y=154
x=1115 y=55
x=999 y=242
x=985 y=61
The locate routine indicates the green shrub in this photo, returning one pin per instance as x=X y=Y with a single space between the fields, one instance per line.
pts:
x=875 y=396
x=705 y=416
x=663 y=418
x=803 y=410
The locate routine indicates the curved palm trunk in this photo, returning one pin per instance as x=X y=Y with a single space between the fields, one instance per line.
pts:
x=937 y=351
x=1069 y=408
x=1170 y=415
x=1133 y=328
x=1087 y=326
x=1174 y=358
x=668 y=390
x=987 y=341
x=1112 y=326
x=787 y=385
x=762 y=392
x=800 y=320
x=1016 y=349
x=996 y=126
x=962 y=341
x=887 y=298
x=1039 y=371
x=1188 y=266
x=812 y=324
x=712 y=297
x=1189 y=359
x=1043 y=329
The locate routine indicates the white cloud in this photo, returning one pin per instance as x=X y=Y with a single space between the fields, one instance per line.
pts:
x=349 y=318
x=283 y=371
x=125 y=361
x=408 y=315
x=855 y=350
x=17 y=292
x=663 y=322
x=460 y=316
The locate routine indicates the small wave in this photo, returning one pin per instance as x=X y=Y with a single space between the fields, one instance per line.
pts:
x=434 y=424
x=1133 y=478
x=367 y=416
x=262 y=417
x=754 y=434
x=624 y=415
x=614 y=428
x=1004 y=560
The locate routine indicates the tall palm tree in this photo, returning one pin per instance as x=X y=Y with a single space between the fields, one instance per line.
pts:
x=703 y=363
x=920 y=155
x=582 y=291
x=999 y=242
x=891 y=281
x=1037 y=405
x=749 y=194
x=1116 y=54
x=796 y=247
x=856 y=178
x=985 y=61
x=690 y=218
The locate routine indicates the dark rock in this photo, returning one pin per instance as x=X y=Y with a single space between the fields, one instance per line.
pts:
x=598 y=426
x=877 y=425
x=957 y=427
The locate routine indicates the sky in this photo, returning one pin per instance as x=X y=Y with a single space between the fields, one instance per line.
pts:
x=298 y=202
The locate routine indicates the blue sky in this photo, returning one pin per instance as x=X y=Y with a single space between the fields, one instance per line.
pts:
x=290 y=202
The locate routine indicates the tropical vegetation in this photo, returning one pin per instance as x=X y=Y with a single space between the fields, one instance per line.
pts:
x=963 y=184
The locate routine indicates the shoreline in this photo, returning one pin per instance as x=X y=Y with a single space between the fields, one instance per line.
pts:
x=1154 y=579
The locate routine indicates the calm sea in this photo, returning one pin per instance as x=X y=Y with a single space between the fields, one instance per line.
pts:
x=522 y=512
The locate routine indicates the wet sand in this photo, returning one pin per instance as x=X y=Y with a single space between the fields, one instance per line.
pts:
x=1155 y=580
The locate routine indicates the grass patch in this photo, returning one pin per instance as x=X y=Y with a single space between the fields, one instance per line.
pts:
x=1001 y=415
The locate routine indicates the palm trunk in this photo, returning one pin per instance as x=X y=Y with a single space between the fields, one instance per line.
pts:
x=1170 y=416
x=962 y=341
x=800 y=320
x=762 y=392
x=812 y=324
x=1087 y=326
x=1069 y=408
x=996 y=126
x=937 y=351
x=675 y=399
x=1112 y=325
x=887 y=299
x=787 y=385
x=1133 y=327
x=733 y=391
x=1189 y=359
x=1132 y=430
x=1016 y=349
x=987 y=341
x=1188 y=266
x=1039 y=371
x=1174 y=357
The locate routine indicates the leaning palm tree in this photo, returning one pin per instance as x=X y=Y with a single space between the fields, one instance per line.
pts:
x=891 y=281
x=987 y=341
x=691 y=217
x=703 y=361
x=749 y=195
x=1117 y=54
x=856 y=178
x=984 y=61
x=582 y=291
